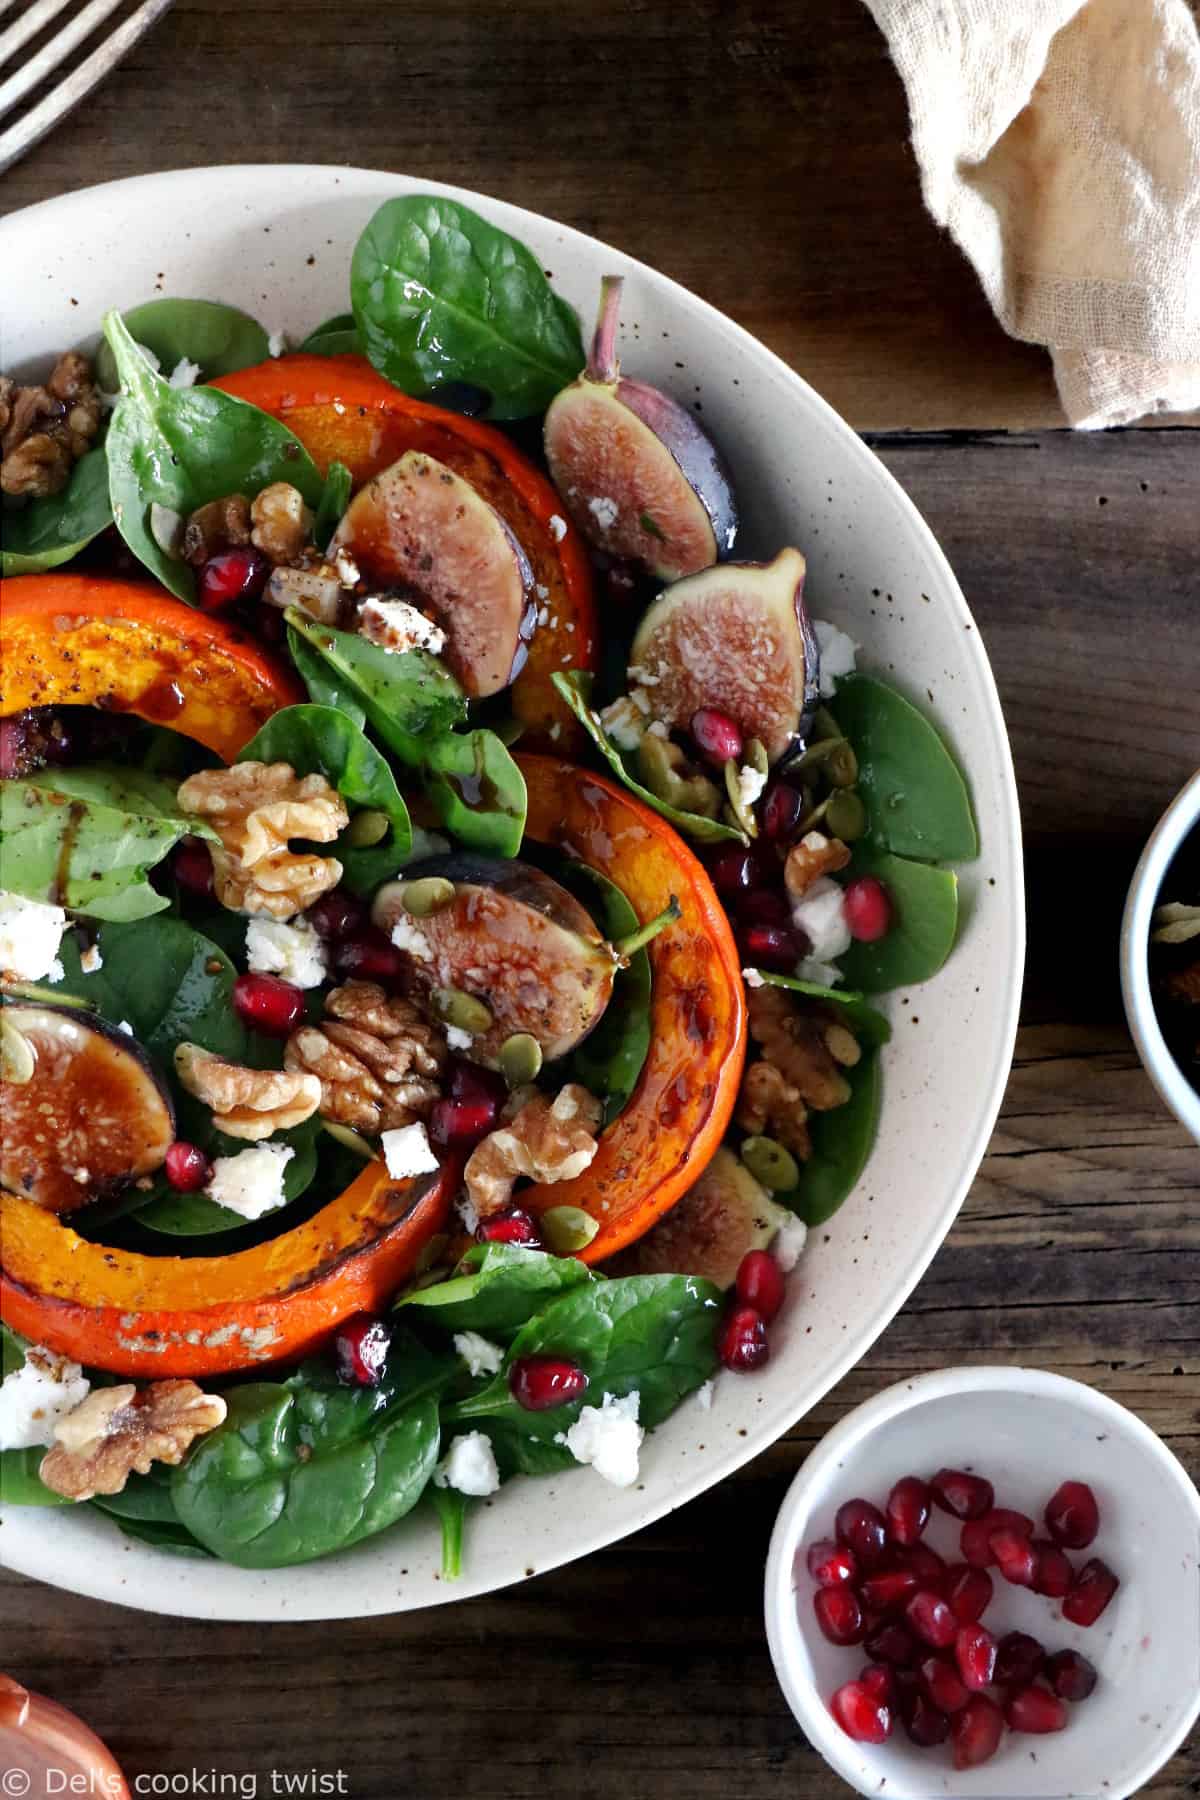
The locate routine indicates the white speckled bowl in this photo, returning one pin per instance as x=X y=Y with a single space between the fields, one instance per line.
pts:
x=277 y=241
x=1181 y=818
x=1027 y=1431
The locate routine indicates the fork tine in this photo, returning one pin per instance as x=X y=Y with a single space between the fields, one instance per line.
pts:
x=28 y=26
x=23 y=80
x=25 y=132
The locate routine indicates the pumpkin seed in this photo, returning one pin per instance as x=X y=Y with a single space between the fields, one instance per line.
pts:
x=520 y=1059
x=845 y=815
x=770 y=1163
x=841 y=767
x=824 y=725
x=662 y=766
x=743 y=815
x=755 y=756
x=366 y=828
x=429 y=895
x=18 y=1058
x=349 y=1140
x=566 y=1229
x=454 y=1007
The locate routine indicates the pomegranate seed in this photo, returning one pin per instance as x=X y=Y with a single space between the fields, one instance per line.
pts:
x=976 y=1732
x=267 y=1004
x=360 y=1349
x=734 y=871
x=782 y=811
x=1035 y=1709
x=187 y=1167
x=468 y=1081
x=512 y=1227
x=760 y=1283
x=867 y=909
x=888 y=1592
x=716 y=736
x=879 y=1682
x=1072 y=1515
x=191 y=865
x=860 y=1525
x=976 y=1540
x=907 y=1510
x=1019 y=1659
x=1090 y=1593
x=830 y=1564
x=926 y=1565
x=231 y=575
x=861 y=1715
x=975 y=1654
x=942 y=1685
x=925 y=1725
x=892 y=1644
x=966 y=1496
x=1070 y=1675
x=1015 y=1554
x=774 y=947
x=969 y=1592
x=742 y=1341
x=337 y=914
x=1052 y=1573
x=369 y=956
x=461 y=1124
x=839 y=1614
x=539 y=1383
x=931 y=1619
x=763 y=906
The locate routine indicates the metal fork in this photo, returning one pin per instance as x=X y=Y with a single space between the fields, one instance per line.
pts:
x=25 y=130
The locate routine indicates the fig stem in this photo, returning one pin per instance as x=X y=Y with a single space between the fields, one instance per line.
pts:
x=637 y=940
x=602 y=362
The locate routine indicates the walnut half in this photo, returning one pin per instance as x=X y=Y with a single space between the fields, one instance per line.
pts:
x=247 y=1103
x=255 y=808
x=376 y=1058
x=549 y=1140
x=118 y=1430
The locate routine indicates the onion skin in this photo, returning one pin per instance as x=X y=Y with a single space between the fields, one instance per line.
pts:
x=41 y=1739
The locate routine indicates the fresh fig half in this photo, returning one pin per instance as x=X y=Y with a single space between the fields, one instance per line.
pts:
x=83 y=1109
x=639 y=476
x=735 y=638
x=419 y=528
x=710 y=1229
x=507 y=938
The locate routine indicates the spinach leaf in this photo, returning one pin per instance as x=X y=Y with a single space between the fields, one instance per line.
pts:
x=174 y=1538
x=612 y=1056
x=167 y=981
x=50 y=531
x=439 y=295
x=916 y=798
x=654 y=1333
x=841 y=1144
x=451 y=1509
x=87 y=838
x=181 y=447
x=499 y=1289
x=477 y=790
x=220 y=338
x=333 y=337
x=924 y=923
x=335 y=498
x=12 y=1351
x=574 y=686
x=321 y=740
x=20 y=1484
x=144 y=1497
x=304 y=1466
x=869 y=1027
x=195 y=1215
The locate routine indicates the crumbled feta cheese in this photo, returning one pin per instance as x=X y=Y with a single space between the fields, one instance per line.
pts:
x=91 y=962
x=468 y=1218
x=752 y=978
x=345 y=568
x=30 y=933
x=36 y=1396
x=251 y=1182
x=819 y=915
x=407 y=935
x=543 y=615
x=642 y=676
x=293 y=951
x=82 y=1176
x=751 y=783
x=276 y=344
x=837 y=655
x=125 y=1026
x=656 y=728
x=481 y=1356
x=604 y=511
x=469 y=1466
x=457 y=1038
x=609 y=1437
x=395 y=625
x=624 y=722
x=788 y=1242
x=821 y=974
x=425 y=843
x=558 y=527
x=704 y=1395
x=184 y=374
x=407 y=1151
x=541 y=590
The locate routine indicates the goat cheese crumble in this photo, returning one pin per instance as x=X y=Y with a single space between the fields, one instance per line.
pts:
x=625 y=722
x=293 y=951
x=752 y=978
x=704 y=1394
x=345 y=568
x=788 y=1243
x=605 y=511
x=820 y=915
x=251 y=1182
x=396 y=626
x=30 y=934
x=469 y=1466
x=184 y=374
x=91 y=962
x=609 y=1438
x=838 y=655
x=407 y=935
x=558 y=527
x=36 y=1396
x=481 y=1356
x=457 y=1038
x=276 y=344
x=407 y=1151
x=751 y=783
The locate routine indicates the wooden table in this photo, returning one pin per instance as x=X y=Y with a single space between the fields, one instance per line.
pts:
x=757 y=151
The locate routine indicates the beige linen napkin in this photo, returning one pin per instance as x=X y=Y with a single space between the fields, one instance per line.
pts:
x=1059 y=142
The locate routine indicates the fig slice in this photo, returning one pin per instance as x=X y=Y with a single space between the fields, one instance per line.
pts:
x=709 y=1230
x=735 y=638
x=639 y=476
x=86 y=1113
x=422 y=530
x=504 y=934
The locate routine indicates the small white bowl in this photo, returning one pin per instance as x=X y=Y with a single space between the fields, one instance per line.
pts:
x=1027 y=1431
x=1180 y=818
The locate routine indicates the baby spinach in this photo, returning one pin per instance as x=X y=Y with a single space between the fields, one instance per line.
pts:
x=439 y=295
x=176 y=1540
x=652 y=1333
x=924 y=923
x=50 y=531
x=574 y=686
x=321 y=740
x=451 y=1509
x=219 y=338
x=144 y=1497
x=87 y=838
x=335 y=498
x=167 y=981
x=181 y=447
x=195 y=1215
x=869 y=1027
x=916 y=798
x=333 y=337
x=612 y=1056
x=477 y=790
x=498 y=1289
x=841 y=1144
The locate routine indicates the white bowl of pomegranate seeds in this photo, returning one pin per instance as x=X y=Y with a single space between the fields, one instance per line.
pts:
x=986 y=1581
